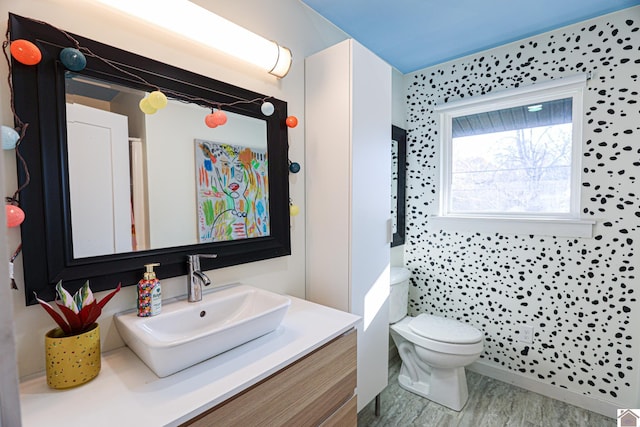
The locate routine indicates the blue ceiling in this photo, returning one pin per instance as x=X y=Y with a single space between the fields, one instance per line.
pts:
x=414 y=34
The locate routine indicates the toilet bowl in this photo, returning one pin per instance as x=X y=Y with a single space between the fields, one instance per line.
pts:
x=434 y=349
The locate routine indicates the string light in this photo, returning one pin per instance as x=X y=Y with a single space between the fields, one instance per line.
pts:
x=15 y=215
x=293 y=209
x=294 y=167
x=219 y=117
x=146 y=107
x=292 y=121
x=9 y=138
x=209 y=121
x=157 y=100
x=74 y=58
x=25 y=52
x=267 y=108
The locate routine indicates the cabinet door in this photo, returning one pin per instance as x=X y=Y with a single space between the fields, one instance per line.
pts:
x=98 y=154
x=348 y=163
x=345 y=416
x=328 y=176
x=371 y=182
x=305 y=393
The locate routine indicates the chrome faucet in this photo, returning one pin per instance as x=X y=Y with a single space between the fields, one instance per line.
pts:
x=196 y=277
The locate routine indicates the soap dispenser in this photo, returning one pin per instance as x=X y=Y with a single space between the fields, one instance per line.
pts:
x=149 y=293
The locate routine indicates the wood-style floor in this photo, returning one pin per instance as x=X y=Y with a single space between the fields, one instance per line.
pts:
x=491 y=403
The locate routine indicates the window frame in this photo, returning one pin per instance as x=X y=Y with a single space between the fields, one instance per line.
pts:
x=568 y=87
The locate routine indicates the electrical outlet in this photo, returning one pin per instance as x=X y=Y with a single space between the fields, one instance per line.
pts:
x=524 y=333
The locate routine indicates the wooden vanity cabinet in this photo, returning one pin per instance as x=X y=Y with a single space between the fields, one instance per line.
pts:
x=316 y=390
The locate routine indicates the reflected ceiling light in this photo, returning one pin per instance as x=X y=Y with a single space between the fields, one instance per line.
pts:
x=534 y=108
x=199 y=24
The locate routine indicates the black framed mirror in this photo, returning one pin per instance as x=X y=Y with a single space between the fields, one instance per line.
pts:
x=398 y=183
x=42 y=93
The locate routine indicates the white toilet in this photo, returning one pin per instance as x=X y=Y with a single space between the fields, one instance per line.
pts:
x=434 y=350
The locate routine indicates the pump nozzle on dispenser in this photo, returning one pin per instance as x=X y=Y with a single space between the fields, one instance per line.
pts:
x=150 y=274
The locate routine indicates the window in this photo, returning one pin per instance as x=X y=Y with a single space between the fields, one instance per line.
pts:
x=514 y=154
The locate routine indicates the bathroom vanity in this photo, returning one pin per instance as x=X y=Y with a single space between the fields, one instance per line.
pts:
x=303 y=373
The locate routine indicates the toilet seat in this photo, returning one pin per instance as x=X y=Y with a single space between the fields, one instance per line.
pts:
x=442 y=329
x=403 y=328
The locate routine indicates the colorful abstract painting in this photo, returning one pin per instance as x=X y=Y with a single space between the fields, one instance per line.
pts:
x=232 y=192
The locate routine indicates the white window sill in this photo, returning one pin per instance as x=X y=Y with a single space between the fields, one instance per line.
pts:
x=534 y=226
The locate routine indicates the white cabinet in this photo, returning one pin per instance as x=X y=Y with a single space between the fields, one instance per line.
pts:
x=348 y=159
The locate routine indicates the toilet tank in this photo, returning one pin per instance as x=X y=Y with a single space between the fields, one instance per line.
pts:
x=399 y=296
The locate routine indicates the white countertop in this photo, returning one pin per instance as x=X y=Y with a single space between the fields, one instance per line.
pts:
x=128 y=393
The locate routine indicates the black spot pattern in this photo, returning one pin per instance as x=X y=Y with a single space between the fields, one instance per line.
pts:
x=579 y=294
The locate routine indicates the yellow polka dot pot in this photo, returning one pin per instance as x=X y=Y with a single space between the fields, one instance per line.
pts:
x=72 y=361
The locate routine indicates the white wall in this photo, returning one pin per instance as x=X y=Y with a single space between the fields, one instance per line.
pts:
x=398 y=118
x=399 y=100
x=9 y=398
x=287 y=21
x=171 y=173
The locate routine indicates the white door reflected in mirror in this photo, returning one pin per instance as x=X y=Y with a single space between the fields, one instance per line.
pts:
x=153 y=202
x=98 y=152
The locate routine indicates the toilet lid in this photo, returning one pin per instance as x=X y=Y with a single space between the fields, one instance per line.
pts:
x=399 y=274
x=440 y=328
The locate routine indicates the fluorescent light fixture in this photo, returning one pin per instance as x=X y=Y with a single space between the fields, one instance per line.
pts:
x=91 y=82
x=199 y=24
x=534 y=108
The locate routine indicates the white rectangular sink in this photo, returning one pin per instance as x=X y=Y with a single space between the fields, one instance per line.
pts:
x=186 y=333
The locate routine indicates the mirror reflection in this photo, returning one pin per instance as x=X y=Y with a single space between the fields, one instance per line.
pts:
x=398 y=182
x=394 y=186
x=149 y=181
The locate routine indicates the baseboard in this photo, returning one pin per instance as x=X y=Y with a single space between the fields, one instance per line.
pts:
x=590 y=403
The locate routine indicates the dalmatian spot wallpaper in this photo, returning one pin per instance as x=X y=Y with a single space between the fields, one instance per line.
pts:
x=579 y=294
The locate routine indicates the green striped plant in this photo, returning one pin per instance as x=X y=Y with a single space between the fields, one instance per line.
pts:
x=80 y=311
